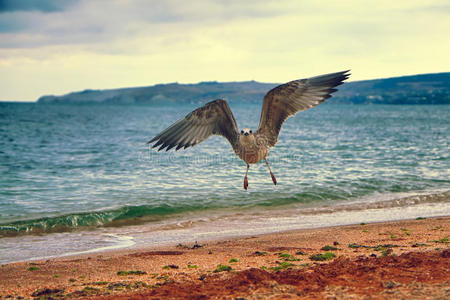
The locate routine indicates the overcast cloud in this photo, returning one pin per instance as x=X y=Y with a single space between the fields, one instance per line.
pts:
x=54 y=47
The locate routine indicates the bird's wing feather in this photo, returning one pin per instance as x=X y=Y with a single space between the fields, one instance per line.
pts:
x=214 y=117
x=288 y=99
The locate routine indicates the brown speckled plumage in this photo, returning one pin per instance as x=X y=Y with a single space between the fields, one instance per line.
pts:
x=279 y=104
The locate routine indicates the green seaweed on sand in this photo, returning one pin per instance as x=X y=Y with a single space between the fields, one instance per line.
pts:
x=444 y=240
x=305 y=265
x=47 y=293
x=292 y=259
x=376 y=248
x=386 y=252
x=222 y=268
x=131 y=272
x=329 y=248
x=284 y=255
x=282 y=265
x=33 y=268
x=355 y=246
x=163 y=277
x=323 y=256
x=391 y=235
x=170 y=267
x=119 y=286
x=288 y=257
x=192 y=266
x=233 y=260
x=384 y=246
x=195 y=246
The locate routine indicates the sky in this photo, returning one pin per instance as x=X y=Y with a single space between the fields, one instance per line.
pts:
x=59 y=46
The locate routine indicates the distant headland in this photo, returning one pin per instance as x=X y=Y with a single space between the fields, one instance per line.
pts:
x=416 y=89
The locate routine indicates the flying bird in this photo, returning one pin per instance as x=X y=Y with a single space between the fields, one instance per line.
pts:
x=216 y=118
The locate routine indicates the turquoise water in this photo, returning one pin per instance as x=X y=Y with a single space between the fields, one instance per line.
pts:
x=67 y=169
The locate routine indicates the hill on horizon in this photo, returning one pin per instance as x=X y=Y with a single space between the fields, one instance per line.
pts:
x=414 y=89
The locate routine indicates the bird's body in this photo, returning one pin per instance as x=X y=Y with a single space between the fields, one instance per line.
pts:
x=279 y=104
x=250 y=148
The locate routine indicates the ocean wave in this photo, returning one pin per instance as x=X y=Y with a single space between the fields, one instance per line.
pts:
x=381 y=202
x=128 y=215
x=136 y=215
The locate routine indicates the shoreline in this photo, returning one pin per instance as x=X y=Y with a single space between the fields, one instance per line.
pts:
x=210 y=226
x=158 y=270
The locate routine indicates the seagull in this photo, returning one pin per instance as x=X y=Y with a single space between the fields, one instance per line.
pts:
x=216 y=118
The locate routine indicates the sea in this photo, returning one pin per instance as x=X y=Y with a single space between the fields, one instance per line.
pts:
x=78 y=179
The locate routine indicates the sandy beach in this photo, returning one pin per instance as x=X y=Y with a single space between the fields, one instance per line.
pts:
x=380 y=260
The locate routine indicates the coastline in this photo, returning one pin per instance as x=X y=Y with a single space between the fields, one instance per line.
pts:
x=265 y=262
x=224 y=224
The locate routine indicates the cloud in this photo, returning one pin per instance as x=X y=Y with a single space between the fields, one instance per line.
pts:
x=46 y=6
x=96 y=21
x=9 y=23
x=118 y=43
x=443 y=8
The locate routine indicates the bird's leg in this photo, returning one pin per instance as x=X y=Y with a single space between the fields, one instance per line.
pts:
x=245 y=178
x=271 y=174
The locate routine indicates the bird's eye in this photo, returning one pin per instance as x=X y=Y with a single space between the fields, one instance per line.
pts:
x=242 y=131
x=250 y=131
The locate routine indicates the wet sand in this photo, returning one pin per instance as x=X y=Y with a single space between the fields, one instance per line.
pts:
x=404 y=259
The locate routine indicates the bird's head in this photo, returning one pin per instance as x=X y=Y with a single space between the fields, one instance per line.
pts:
x=247 y=136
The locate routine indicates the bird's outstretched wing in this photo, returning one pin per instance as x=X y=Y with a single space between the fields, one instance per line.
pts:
x=288 y=99
x=214 y=117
